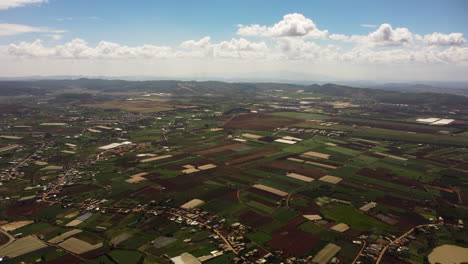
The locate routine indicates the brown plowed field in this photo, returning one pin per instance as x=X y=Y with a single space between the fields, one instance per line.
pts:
x=384 y=174
x=261 y=122
x=253 y=219
x=291 y=240
x=219 y=149
x=25 y=208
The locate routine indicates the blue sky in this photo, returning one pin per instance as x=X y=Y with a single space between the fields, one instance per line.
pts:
x=333 y=29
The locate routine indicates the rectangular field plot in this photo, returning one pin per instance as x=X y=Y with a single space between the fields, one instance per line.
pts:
x=270 y=189
x=22 y=246
x=326 y=254
x=78 y=246
x=300 y=177
x=331 y=179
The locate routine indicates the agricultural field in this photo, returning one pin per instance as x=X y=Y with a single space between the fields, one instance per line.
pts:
x=146 y=177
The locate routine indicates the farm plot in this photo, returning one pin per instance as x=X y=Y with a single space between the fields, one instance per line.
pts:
x=300 y=169
x=220 y=149
x=156 y=158
x=326 y=254
x=15 y=225
x=316 y=155
x=300 y=177
x=251 y=157
x=260 y=122
x=351 y=216
x=64 y=236
x=292 y=240
x=22 y=246
x=270 y=189
x=191 y=204
x=330 y=179
x=78 y=246
x=137 y=178
x=138 y=106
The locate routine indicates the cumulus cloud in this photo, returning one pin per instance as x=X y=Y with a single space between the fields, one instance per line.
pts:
x=234 y=48
x=80 y=49
x=240 y=48
x=338 y=37
x=385 y=35
x=292 y=25
x=439 y=39
x=202 y=43
x=16 y=29
x=6 y=4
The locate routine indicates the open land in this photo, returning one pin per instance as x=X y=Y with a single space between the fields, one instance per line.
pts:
x=145 y=175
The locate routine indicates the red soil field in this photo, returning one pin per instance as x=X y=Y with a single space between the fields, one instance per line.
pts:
x=253 y=219
x=311 y=208
x=384 y=174
x=71 y=190
x=291 y=240
x=25 y=208
x=219 y=149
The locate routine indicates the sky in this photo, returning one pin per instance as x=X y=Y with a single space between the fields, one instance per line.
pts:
x=370 y=40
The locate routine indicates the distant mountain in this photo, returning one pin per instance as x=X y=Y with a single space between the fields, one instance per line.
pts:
x=450 y=88
x=194 y=88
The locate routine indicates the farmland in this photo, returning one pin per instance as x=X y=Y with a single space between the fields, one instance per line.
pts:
x=238 y=176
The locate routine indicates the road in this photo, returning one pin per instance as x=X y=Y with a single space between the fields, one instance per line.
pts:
x=9 y=236
x=229 y=120
x=26 y=159
x=360 y=251
x=382 y=253
x=53 y=189
x=57 y=246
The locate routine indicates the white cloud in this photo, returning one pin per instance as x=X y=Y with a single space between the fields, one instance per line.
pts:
x=439 y=39
x=6 y=4
x=385 y=35
x=338 y=37
x=55 y=36
x=203 y=43
x=16 y=29
x=234 y=48
x=80 y=49
x=368 y=25
x=240 y=48
x=292 y=25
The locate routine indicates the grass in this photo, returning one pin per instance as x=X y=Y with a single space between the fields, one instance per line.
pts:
x=125 y=256
x=259 y=237
x=349 y=215
x=260 y=207
x=284 y=214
